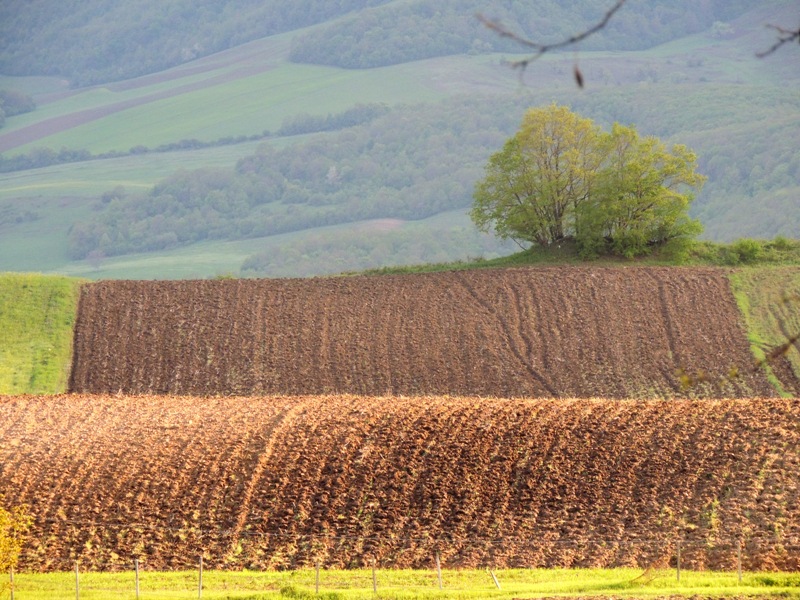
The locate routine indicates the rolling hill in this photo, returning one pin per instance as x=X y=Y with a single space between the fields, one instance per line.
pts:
x=279 y=483
x=109 y=146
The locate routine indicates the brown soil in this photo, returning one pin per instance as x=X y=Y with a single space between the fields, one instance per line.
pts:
x=279 y=481
x=545 y=332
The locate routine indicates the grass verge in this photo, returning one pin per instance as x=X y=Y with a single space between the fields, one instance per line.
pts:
x=769 y=299
x=408 y=584
x=37 y=313
x=743 y=252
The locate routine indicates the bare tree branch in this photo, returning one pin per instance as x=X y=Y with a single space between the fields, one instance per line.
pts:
x=784 y=36
x=540 y=49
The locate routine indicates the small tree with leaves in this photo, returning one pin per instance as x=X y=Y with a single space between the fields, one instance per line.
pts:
x=14 y=525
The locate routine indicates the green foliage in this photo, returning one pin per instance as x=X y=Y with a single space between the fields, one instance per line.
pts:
x=14 y=525
x=534 y=187
x=751 y=252
x=380 y=244
x=36 y=317
x=560 y=176
x=306 y=123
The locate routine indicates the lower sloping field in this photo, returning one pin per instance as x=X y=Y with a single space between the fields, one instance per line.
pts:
x=534 y=332
x=279 y=482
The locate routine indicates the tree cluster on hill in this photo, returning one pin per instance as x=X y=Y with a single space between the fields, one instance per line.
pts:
x=426 y=28
x=561 y=177
x=411 y=163
x=302 y=123
x=13 y=102
x=96 y=41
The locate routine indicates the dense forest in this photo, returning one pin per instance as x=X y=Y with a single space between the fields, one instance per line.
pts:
x=401 y=32
x=96 y=41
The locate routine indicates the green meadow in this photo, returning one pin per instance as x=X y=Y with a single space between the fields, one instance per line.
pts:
x=37 y=314
x=407 y=584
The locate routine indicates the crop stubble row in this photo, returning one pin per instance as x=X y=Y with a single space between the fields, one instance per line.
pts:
x=284 y=481
x=546 y=332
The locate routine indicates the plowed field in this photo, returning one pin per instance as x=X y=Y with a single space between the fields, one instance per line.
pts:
x=547 y=332
x=282 y=481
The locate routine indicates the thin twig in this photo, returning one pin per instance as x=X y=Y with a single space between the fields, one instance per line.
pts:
x=784 y=36
x=539 y=48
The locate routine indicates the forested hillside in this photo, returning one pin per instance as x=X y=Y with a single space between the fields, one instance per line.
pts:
x=410 y=164
x=248 y=161
x=98 y=41
x=400 y=32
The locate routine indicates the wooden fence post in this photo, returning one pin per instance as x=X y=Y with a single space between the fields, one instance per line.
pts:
x=439 y=570
x=739 y=559
x=200 y=579
x=316 y=579
x=497 y=583
x=679 y=560
x=11 y=574
x=136 y=570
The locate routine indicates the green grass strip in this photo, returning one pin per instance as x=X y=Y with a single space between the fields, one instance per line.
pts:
x=408 y=584
x=37 y=314
x=769 y=299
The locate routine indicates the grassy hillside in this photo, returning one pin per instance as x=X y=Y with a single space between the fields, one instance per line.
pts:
x=100 y=41
x=36 y=318
x=706 y=90
x=97 y=41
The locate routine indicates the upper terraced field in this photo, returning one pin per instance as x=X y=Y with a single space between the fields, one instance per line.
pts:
x=533 y=332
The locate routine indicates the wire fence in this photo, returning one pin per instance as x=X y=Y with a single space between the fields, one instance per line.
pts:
x=451 y=563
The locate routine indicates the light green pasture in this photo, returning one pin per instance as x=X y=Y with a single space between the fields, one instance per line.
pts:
x=406 y=584
x=246 y=106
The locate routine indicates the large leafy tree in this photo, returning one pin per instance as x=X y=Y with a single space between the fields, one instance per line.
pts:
x=561 y=176
x=642 y=197
x=535 y=185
